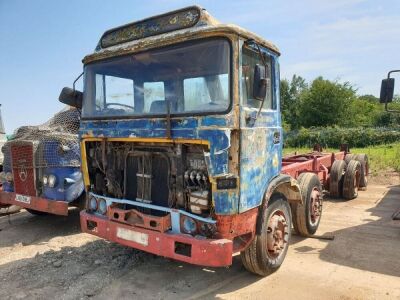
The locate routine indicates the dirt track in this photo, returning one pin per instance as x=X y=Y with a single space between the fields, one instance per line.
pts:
x=49 y=258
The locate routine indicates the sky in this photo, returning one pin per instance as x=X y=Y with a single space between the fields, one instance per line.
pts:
x=43 y=42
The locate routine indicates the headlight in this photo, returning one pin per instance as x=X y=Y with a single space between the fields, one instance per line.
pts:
x=102 y=206
x=52 y=180
x=45 y=180
x=9 y=176
x=93 y=203
x=188 y=225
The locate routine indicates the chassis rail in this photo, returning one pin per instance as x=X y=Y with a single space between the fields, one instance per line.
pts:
x=317 y=162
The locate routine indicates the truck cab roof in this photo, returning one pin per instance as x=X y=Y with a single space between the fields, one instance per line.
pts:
x=184 y=24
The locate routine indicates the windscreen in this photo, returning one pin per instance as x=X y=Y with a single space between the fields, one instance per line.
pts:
x=189 y=78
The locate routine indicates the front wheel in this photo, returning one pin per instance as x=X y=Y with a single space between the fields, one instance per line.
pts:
x=268 y=249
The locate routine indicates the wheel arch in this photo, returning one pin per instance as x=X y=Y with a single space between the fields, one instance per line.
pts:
x=284 y=185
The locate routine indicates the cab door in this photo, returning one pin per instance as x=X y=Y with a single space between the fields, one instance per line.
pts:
x=260 y=129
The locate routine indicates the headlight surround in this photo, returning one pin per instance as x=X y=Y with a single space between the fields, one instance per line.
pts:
x=102 y=206
x=52 y=180
x=93 y=204
x=188 y=225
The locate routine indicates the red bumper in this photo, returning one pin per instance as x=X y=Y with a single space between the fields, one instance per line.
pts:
x=36 y=203
x=204 y=252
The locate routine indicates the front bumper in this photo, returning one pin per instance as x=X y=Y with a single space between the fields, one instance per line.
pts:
x=182 y=247
x=35 y=203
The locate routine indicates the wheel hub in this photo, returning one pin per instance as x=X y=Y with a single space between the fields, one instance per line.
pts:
x=277 y=233
x=315 y=206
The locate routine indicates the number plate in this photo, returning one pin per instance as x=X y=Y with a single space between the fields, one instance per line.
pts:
x=23 y=199
x=134 y=236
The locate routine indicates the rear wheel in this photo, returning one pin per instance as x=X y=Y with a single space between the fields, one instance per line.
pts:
x=363 y=159
x=351 y=180
x=348 y=158
x=268 y=249
x=36 y=212
x=306 y=216
x=336 y=178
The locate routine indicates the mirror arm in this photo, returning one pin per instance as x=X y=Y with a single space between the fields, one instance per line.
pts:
x=265 y=76
x=73 y=87
x=77 y=78
x=252 y=41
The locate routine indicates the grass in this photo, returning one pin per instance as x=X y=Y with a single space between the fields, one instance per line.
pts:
x=381 y=158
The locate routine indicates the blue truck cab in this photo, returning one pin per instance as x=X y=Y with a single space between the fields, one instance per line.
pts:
x=181 y=141
x=41 y=168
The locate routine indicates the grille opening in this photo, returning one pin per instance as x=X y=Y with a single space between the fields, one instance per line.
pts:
x=91 y=225
x=183 y=249
x=116 y=215
x=153 y=223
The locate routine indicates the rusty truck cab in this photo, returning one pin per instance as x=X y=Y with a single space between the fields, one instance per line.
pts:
x=178 y=147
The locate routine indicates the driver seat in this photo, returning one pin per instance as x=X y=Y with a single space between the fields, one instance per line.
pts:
x=158 y=106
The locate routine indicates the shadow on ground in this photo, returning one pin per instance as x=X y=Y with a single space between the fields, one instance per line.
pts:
x=26 y=229
x=373 y=246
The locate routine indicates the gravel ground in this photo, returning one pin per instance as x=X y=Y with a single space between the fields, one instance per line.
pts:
x=48 y=257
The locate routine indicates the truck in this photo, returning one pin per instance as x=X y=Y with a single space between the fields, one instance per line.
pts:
x=181 y=145
x=41 y=168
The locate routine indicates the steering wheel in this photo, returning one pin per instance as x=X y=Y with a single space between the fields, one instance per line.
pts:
x=119 y=104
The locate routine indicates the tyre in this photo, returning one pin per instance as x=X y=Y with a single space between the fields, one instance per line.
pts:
x=348 y=158
x=36 y=212
x=351 y=181
x=268 y=249
x=336 y=176
x=363 y=159
x=306 y=216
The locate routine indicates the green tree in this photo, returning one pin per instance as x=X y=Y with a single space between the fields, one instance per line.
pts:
x=290 y=92
x=365 y=111
x=326 y=103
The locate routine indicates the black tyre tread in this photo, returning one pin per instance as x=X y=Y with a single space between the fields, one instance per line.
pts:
x=348 y=182
x=348 y=157
x=336 y=175
x=363 y=159
x=300 y=222
x=252 y=256
x=36 y=212
x=294 y=208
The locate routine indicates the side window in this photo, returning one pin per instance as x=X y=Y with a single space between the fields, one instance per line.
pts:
x=250 y=58
x=154 y=97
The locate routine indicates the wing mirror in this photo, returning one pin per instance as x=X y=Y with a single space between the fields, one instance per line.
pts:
x=71 y=97
x=387 y=89
x=259 y=82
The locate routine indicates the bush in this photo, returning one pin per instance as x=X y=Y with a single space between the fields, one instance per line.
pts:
x=334 y=136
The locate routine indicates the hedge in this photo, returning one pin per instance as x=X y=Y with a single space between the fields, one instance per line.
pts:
x=333 y=137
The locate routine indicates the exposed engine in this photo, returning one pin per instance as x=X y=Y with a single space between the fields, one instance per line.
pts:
x=166 y=175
